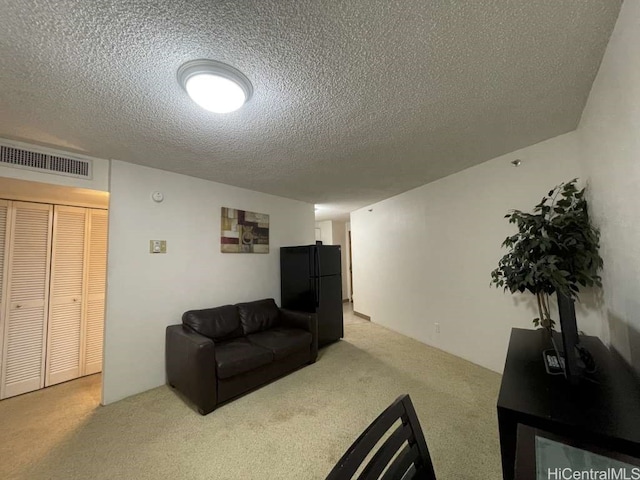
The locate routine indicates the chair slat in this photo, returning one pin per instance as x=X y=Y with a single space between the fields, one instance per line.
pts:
x=424 y=463
x=386 y=452
x=414 y=457
x=402 y=463
x=351 y=460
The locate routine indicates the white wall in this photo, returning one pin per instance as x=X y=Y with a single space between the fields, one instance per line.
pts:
x=425 y=256
x=326 y=232
x=146 y=292
x=610 y=138
x=100 y=180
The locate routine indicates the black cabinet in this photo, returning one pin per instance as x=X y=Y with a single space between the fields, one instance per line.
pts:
x=602 y=409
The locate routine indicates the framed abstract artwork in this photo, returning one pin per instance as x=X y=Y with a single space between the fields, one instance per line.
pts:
x=244 y=232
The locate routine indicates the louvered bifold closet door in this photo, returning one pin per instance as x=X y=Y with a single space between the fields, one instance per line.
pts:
x=4 y=254
x=95 y=291
x=26 y=293
x=65 y=298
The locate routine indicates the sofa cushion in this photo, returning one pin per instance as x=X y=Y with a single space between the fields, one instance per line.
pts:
x=259 y=315
x=220 y=323
x=282 y=341
x=237 y=356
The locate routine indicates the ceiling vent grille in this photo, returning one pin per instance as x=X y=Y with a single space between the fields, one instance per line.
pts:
x=44 y=162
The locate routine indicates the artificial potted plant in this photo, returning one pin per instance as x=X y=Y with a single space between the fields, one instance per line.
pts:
x=554 y=250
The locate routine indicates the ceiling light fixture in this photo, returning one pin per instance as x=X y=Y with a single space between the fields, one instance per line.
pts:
x=215 y=86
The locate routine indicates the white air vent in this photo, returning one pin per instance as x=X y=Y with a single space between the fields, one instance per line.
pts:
x=44 y=162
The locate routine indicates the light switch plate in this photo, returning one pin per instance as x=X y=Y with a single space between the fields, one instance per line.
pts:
x=157 y=246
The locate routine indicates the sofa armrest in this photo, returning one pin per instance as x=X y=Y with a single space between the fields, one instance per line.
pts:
x=305 y=321
x=191 y=366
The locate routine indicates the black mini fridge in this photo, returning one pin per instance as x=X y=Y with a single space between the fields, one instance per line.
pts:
x=311 y=281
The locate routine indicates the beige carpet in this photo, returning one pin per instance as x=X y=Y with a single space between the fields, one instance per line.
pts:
x=294 y=428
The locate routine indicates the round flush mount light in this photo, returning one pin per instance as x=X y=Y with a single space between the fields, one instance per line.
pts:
x=215 y=86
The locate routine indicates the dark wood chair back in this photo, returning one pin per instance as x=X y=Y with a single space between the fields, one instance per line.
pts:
x=413 y=461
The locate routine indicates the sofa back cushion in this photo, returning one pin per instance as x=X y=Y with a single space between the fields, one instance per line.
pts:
x=259 y=315
x=220 y=323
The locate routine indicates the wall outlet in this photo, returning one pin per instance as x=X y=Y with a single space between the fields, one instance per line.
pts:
x=157 y=246
x=437 y=327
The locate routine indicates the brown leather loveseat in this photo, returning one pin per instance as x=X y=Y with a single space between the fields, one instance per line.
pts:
x=220 y=353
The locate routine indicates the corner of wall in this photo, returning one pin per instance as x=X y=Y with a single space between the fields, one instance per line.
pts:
x=610 y=148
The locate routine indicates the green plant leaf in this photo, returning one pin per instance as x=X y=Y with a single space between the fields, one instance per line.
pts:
x=555 y=247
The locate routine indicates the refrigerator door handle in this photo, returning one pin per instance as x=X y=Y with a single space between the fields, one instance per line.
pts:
x=317 y=291
x=316 y=253
x=313 y=289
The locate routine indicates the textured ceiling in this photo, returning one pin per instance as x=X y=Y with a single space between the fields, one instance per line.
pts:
x=354 y=101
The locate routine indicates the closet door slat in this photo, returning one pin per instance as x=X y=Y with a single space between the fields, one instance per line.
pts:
x=66 y=296
x=27 y=293
x=96 y=287
x=4 y=245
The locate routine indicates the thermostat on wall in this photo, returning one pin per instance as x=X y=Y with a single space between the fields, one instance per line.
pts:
x=157 y=196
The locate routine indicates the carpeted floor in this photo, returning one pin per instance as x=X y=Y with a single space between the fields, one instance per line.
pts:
x=295 y=428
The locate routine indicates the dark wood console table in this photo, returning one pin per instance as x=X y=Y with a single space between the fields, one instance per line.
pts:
x=604 y=408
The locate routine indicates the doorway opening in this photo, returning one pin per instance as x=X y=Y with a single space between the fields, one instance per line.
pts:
x=350 y=270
